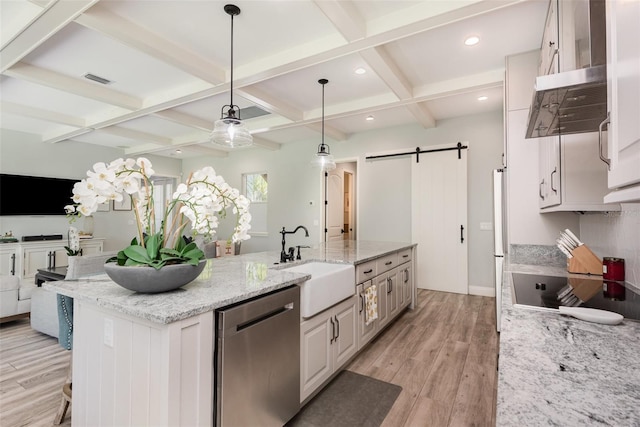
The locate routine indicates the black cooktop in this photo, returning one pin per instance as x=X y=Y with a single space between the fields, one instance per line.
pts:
x=553 y=291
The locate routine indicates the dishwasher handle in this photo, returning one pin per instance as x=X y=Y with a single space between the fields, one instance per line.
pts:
x=236 y=319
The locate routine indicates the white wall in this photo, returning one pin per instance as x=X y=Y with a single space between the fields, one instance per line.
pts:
x=384 y=186
x=25 y=154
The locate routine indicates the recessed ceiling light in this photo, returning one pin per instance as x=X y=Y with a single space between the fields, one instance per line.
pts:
x=483 y=98
x=360 y=70
x=369 y=118
x=178 y=151
x=473 y=40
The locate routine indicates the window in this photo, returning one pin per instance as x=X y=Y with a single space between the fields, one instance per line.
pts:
x=162 y=192
x=255 y=187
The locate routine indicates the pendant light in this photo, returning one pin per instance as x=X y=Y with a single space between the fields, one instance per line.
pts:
x=229 y=131
x=323 y=158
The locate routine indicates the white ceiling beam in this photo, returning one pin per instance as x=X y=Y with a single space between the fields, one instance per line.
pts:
x=386 y=68
x=263 y=143
x=132 y=35
x=345 y=17
x=422 y=115
x=136 y=135
x=42 y=114
x=269 y=103
x=486 y=80
x=52 y=19
x=334 y=133
x=185 y=119
x=72 y=85
x=203 y=149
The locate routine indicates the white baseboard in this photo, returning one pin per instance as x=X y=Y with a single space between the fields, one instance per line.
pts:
x=483 y=291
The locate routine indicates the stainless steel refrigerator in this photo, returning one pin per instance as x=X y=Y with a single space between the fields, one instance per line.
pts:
x=499 y=234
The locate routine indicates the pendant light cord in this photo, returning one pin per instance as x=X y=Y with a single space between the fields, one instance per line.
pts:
x=231 y=61
x=323 y=113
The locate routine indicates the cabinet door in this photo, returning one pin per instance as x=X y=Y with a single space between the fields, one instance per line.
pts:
x=316 y=353
x=623 y=74
x=345 y=344
x=365 y=332
x=383 y=314
x=8 y=262
x=90 y=247
x=549 y=47
x=393 y=292
x=549 y=171
x=59 y=258
x=34 y=259
x=406 y=284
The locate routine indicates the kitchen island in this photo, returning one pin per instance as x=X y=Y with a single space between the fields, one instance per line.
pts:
x=147 y=359
x=558 y=370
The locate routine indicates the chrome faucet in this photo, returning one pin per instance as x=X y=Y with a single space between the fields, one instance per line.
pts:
x=284 y=256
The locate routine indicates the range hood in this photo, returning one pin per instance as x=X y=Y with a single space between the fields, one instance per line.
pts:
x=569 y=102
x=574 y=100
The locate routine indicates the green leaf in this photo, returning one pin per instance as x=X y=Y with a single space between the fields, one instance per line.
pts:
x=153 y=245
x=194 y=253
x=137 y=253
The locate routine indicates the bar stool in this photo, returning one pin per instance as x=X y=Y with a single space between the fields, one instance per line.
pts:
x=65 y=339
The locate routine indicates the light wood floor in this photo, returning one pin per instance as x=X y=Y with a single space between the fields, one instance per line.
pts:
x=443 y=355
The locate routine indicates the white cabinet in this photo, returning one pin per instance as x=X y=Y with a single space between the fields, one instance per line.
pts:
x=548 y=63
x=572 y=176
x=549 y=167
x=623 y=91
x=9 y=259
x=405 y=285
x=51 y=254
x=365 y=332
x=327 y=341
x=383 y=313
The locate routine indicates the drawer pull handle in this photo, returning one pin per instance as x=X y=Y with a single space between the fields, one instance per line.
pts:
x=405 y=256
x=388 y=263
x=369 y=271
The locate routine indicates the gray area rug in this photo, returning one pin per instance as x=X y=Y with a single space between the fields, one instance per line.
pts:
x=349 y=400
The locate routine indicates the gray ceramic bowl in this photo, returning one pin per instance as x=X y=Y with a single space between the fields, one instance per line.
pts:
x=149 y=280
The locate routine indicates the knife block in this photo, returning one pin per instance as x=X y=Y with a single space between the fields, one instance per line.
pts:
x=584 y=261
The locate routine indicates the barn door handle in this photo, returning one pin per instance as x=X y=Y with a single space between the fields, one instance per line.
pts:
x=462 y=234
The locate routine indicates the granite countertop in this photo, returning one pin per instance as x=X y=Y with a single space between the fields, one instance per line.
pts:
x=224 y=281
x=558 y=370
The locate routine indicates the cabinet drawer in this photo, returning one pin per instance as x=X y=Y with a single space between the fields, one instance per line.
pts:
x=365 y=271
x=387 y=262
x=404 y=256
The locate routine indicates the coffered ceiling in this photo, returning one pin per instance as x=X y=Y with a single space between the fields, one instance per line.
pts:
x=168 y=63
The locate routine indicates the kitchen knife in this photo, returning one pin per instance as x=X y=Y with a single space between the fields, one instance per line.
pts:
x=592 y=315
x=564 y=249
x=568 y=241
x=573 y=236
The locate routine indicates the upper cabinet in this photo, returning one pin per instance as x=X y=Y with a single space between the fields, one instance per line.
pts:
x=623 y=81
x=550 y=42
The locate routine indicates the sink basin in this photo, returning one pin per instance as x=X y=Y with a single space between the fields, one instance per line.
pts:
x=329 y=284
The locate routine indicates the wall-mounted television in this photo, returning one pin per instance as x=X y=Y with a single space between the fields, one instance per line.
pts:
x=34 y=195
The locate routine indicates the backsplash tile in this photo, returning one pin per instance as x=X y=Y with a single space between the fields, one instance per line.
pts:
x=615 y=234
x=537 y=255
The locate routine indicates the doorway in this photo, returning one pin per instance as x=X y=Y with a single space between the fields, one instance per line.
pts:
x=340 y=211
x=439 y=219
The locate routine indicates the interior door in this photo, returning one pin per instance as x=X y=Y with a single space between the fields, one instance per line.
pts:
x=439 y=220
x=335 y=206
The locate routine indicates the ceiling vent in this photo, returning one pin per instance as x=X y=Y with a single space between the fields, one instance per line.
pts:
x=97 y=79
x=252 y=112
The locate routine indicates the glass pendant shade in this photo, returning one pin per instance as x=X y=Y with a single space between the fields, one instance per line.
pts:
x=230 y=132
x=323 y=158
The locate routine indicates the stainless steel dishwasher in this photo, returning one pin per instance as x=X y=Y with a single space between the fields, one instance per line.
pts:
x=258 y=361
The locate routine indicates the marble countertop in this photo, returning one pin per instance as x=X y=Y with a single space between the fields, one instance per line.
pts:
x=561 y=371
x=224 y=281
